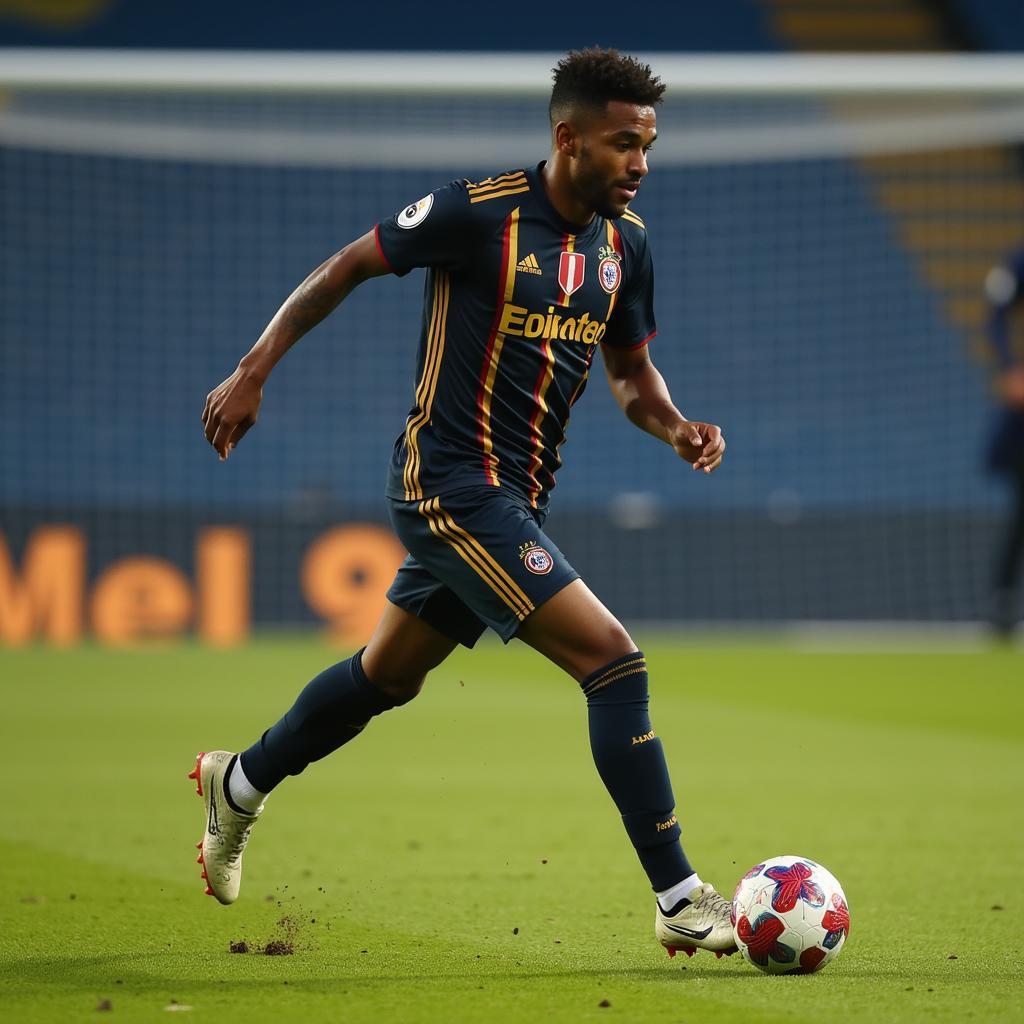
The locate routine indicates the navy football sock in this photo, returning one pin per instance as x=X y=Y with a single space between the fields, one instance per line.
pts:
x=332 y=709
x=631 y=763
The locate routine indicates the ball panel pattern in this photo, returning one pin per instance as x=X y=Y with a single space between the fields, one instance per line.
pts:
x=790 y=916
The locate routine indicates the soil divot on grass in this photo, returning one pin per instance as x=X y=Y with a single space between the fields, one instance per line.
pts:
x=282 y=943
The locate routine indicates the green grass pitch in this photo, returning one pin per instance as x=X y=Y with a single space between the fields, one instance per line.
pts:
x=461 y=862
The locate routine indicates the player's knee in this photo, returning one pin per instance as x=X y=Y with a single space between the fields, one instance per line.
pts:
x=608 y=644
x=399 y=687
x=614 y=642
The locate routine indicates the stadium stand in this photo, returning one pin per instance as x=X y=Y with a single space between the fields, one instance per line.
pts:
x=821 y=309
x=726 y=25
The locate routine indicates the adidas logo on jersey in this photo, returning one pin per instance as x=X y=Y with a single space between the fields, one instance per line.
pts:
x=528 y=265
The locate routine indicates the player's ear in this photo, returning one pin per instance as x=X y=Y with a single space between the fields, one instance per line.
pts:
x=565 y=138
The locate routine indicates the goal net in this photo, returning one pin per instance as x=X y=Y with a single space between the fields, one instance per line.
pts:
x=821 y=228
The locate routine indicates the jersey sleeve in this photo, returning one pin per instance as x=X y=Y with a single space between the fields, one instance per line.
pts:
x=632 y=322
x=436 y=231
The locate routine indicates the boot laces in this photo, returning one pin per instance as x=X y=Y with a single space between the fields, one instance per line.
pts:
x=712 y=904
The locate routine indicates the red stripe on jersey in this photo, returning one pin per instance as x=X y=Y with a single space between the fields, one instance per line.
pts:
x=376 y=238
x=537 y=422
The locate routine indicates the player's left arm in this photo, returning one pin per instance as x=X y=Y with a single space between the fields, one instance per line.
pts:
x=644 y=397
x=637 y=385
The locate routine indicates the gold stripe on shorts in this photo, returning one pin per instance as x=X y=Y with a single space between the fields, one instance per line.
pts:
x=476 y=557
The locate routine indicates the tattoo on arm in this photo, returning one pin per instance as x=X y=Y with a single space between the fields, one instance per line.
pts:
x=311 y=302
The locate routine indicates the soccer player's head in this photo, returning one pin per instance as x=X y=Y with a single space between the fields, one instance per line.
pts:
x=603 y=123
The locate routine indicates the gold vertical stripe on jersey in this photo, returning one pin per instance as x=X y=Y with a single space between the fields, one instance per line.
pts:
x=490 y=459
x=570 y=244
x=611 y=245
x=428 y=384
x=634 y=219
x=476 y=557
x=416 y=419
x=538 y=420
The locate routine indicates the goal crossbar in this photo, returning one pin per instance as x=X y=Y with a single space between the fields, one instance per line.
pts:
x=520 y=74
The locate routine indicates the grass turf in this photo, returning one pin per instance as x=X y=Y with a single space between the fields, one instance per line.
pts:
x=461 y=861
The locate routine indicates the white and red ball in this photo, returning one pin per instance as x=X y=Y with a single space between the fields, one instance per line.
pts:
x=789 y=916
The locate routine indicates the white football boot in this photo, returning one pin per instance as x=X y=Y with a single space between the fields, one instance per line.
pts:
x=704 y=921
x=227 y=831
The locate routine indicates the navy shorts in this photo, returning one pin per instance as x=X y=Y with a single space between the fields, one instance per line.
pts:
x=477 y=557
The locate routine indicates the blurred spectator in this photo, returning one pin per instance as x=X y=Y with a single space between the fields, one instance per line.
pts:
x=1004 y=289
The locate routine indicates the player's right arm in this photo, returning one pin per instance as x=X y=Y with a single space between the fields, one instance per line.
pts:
x=232 y=407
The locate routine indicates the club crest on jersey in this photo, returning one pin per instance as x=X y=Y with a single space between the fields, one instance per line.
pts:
x=571 y=266
x=609 y=273
x=416 y=213
x=536 y=559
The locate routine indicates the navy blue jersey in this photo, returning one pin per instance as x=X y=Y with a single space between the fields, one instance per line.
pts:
x=517 y=300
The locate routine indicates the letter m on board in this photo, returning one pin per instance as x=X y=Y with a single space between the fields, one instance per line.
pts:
x=47 y=596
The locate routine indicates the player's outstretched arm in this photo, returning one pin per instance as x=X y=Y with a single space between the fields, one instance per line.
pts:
x=644 y=397
x=232 y=407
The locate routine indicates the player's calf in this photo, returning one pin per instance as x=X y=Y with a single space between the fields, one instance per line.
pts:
x=333 y=709
x=629 y=757
x=631 y=762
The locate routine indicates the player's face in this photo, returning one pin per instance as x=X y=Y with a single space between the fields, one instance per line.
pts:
x=611 y=158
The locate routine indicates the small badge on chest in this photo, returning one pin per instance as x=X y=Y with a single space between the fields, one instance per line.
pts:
x=571 y=266
x=609 y=273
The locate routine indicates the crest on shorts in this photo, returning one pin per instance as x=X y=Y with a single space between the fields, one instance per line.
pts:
x=536 y=559
x=416 y=213
x=571 y=266
x=609 y=273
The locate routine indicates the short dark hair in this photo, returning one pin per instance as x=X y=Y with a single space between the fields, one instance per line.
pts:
x=593 y=77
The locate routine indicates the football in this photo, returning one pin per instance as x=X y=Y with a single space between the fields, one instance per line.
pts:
x=789 y=916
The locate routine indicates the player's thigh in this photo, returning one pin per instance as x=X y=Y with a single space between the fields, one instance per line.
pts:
x=575 y=631
x=402 y=650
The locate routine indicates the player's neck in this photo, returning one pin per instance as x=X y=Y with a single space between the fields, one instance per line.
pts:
x=558 y=186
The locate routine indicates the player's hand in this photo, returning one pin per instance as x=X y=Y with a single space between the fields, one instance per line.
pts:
x=700 y=444
x=231 y=409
